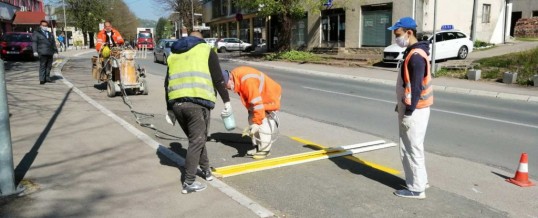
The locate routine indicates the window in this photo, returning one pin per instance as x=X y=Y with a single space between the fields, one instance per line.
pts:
x=438 y=37
x=461 y=35
x=486 y=13
x=534 y=13
x=449 y=36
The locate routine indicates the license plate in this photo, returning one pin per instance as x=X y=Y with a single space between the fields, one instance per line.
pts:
x=13 y=52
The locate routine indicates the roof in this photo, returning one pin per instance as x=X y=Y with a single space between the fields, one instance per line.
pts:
x=28 y=18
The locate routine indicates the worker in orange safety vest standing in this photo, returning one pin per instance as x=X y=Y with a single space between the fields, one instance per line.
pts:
x=414 y=95
x=261 y=96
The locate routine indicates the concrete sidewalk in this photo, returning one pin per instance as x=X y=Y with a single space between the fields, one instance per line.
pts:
x=76 y=161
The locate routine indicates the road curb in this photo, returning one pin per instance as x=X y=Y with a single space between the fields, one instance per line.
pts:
x=448 y=89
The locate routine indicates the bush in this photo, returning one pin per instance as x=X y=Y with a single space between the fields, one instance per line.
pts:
x=479 y=44
x=292 y=55
x=524 y=63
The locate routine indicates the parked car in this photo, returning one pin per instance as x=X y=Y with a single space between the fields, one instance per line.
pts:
x=449 y=44
x=233 y=44
x=211 y=41
x=17 y=46
x=162 y=51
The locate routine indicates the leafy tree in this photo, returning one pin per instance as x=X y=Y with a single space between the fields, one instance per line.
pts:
x=163 y=30
x=183 y=7
x=122 y=19
x=86 y=15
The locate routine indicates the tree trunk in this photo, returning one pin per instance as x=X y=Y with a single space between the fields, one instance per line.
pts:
x=84 y=38
x=284 y=36
x=92 y=44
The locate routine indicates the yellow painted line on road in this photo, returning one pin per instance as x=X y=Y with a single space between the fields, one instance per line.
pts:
x=349 y=157
x=289 y=160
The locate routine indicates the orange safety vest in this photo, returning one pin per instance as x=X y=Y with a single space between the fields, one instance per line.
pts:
x=258 y=92
x=426 y=95
x=101 y=38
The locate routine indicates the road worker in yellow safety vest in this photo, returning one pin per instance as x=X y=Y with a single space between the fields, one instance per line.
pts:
x=193 y=75
x=261 y=96
x=414 y=95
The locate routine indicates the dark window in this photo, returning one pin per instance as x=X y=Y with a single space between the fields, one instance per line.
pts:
x=461 y=35
x=144 y=35
x=534 y=13
x=17 y=38
x=449 y=36
x=438 y=37
x=486 y=13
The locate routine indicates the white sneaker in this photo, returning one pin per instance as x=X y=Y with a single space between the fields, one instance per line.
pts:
x=404 y=193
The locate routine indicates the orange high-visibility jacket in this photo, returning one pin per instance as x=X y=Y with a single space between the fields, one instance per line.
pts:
x=426 y=95
x=102 y=38
x=258 y=92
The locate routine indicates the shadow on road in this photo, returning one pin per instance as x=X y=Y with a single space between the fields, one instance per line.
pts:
x=500 y=175
x=354 y=165
x=234 y=140
x=29 y=158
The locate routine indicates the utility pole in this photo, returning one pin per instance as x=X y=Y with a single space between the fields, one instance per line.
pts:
x=192 y=14
x=7 y=174
x=474 y=21
x=434 y=70
x=65 y=27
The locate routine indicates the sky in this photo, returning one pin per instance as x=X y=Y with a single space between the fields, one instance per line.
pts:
x=145 y=9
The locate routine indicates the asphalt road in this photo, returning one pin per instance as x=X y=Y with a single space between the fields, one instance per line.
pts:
x=481 y=129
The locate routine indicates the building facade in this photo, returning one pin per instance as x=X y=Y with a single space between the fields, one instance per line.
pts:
x=18 y=15
x=522 y=9
x=363 y=23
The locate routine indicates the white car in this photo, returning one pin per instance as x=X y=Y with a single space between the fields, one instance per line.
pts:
x=210 y=41
x=233 y=44
x=449 y=44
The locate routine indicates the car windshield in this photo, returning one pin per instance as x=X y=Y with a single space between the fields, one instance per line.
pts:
x=17 y=38
x=424 y=36
x=168 y=44
x=144 y=35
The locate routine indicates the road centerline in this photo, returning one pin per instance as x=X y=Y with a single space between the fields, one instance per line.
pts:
x=433 y=109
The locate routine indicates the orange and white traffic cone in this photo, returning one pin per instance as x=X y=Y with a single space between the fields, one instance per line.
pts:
x=522 y=173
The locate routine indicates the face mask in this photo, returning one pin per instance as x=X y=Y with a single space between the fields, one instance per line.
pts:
x=402 y=41
x=44 y=28
x=108 y=30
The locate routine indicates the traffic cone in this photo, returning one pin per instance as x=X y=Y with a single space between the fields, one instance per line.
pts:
x=522 y=173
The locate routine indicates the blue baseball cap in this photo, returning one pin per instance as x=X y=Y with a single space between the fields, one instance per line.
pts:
x=405 y=22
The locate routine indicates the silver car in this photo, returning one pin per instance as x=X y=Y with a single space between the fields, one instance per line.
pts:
x=162 y=50
x=233 y=44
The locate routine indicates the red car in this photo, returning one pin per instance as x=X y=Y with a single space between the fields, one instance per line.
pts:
x=16 y=46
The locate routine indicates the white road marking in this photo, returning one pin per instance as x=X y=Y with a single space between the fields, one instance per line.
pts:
x=221 y=186
x=433 y=109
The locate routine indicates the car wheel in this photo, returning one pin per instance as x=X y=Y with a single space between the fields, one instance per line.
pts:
x=154 y=58
x=222 y=49
x=463 y=52
x=165 y=62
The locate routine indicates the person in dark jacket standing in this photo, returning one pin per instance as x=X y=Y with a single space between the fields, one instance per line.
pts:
x=44 y=47
x=193 y=75
x=414 y=95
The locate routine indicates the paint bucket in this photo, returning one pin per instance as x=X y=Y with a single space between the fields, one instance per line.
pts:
x=229 y=122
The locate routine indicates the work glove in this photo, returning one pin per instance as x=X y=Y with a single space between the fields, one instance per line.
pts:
x=171 y=118
x=227 y=111
x=36 y=54
x=254 y=128
x=407 y=122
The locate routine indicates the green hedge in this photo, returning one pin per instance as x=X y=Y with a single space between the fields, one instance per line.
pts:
x=524 y=63
x=292 y=55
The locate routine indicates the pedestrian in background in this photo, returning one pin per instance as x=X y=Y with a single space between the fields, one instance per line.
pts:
x=44 y=47
x=261 y=96
x=193 y=75
x=61 y=40
x=414 y=95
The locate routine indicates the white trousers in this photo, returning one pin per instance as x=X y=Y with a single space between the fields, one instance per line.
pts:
x=412 y=148
x=264 y=139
